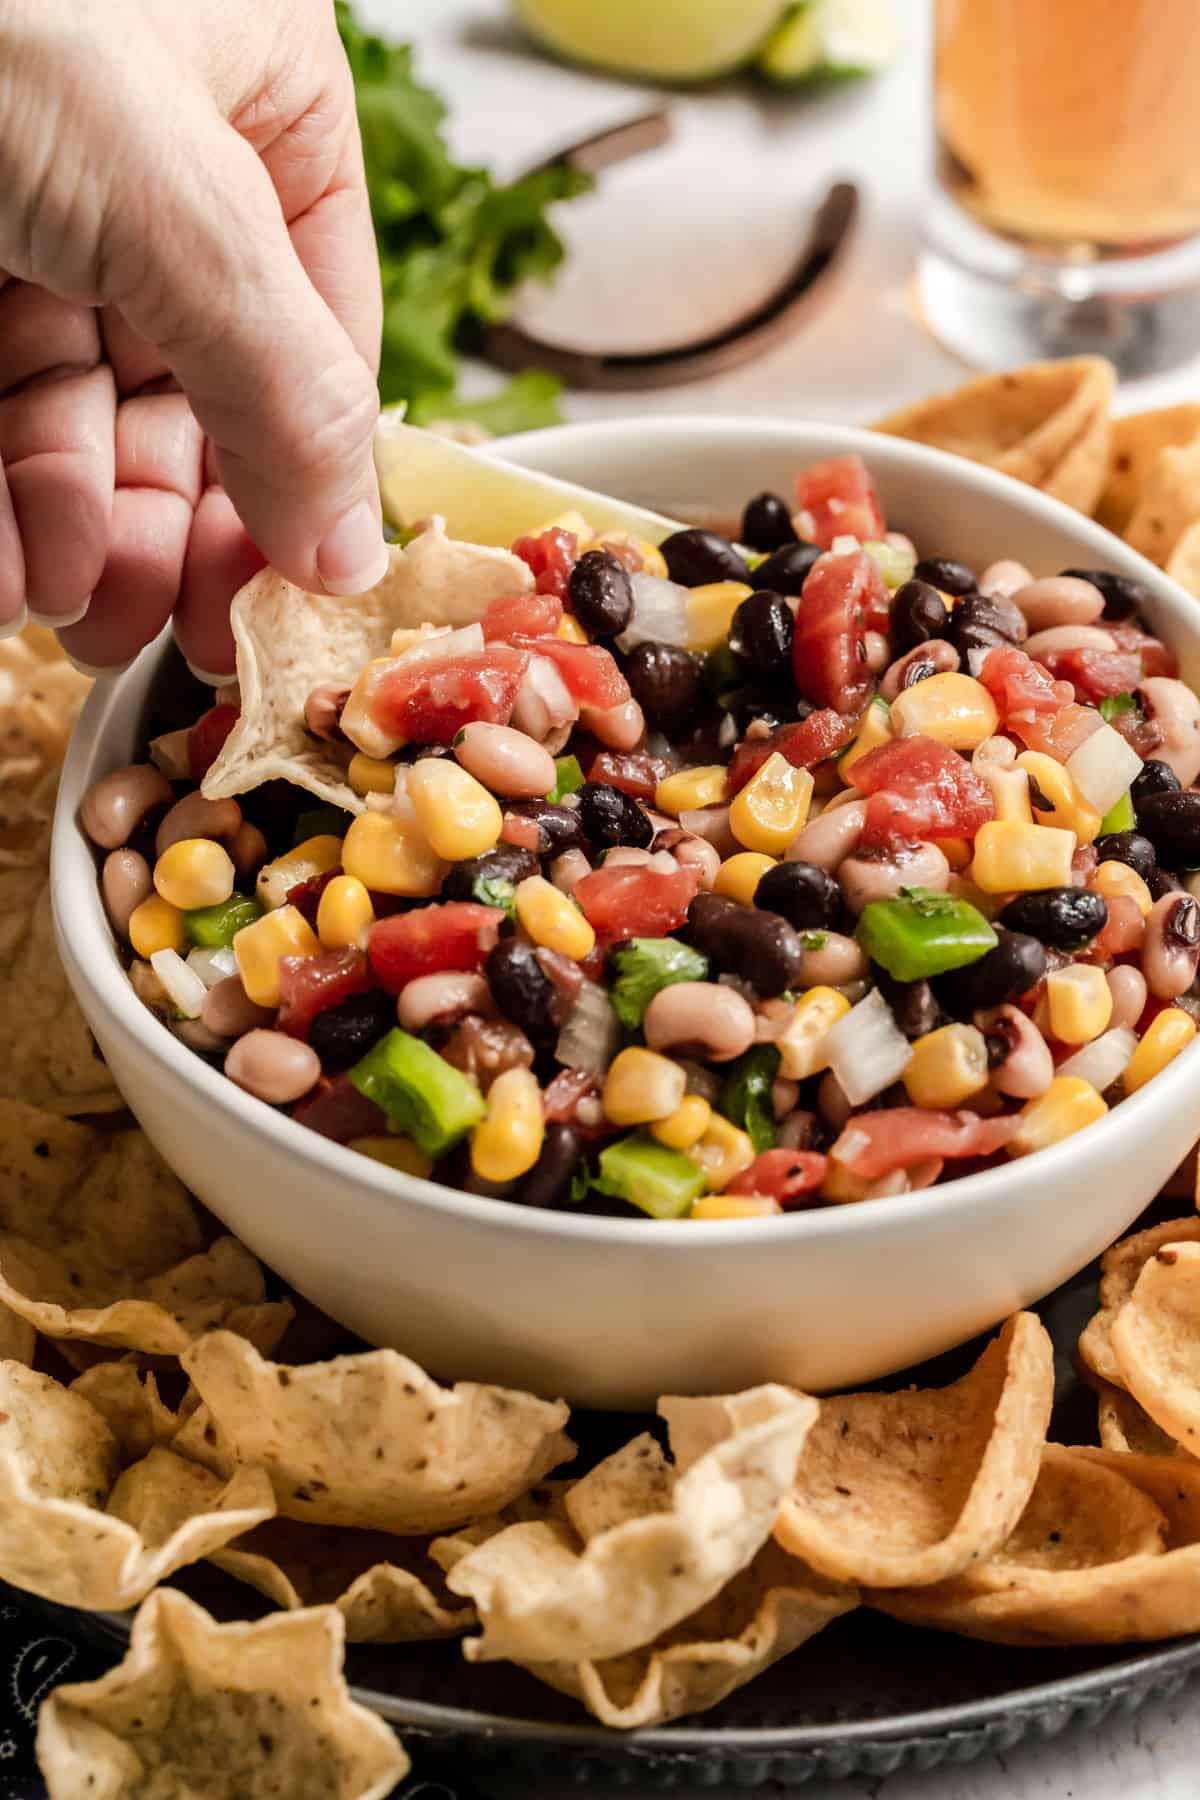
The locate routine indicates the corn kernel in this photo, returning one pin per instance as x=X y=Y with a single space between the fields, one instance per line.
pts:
x=507 y=1143
x=315 y=856
x=738 y=876
x=722 y=1152
x=641 y=1086
x=574 y=522
x=1010 y=792
x=391 y=858
x=875 y=729
x=734 y=1206
x=1067 y=1105
x=653 y=560
x=842 y=1186
x=703 y=785
x=710 y=610
x=1166 y=1035
x=552 y=918
x=455 y=811
x=1018 y=859
x=955 y=709
x=260 y=947
x=344 y=912
x=371 y=774
x=1116 y=879
x=802 y=1045
x=947 y=1067
x=1079 y=1001
x=357 y=718
x=156 y=925
x=957 y=851
x=571 y=631
x=397 y=1152
x=194 y=872
x=772 y=807
x=686 y=1125
x=1066 y=806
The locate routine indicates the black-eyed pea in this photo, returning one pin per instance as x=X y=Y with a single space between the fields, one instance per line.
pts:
x=1171 y=946
x=125 y=881
x=195 y=816
x=934 y=657
x=113 y=807
x=829 y=838
x=1019 y=1057
x=873 y=875
x=273 y=1066
x=1175 y=709
x=1058 y=600
x=1004 y=578
x=704 y=1019
x=1129 y=991
x=248 y=849
x=1068 y=637
x=228 y=1011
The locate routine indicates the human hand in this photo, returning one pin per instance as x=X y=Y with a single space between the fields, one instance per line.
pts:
x=186 y=253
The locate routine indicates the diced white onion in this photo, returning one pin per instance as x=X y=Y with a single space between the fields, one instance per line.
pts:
x=170 y=754
x=543 y=703
x=590 y=1037
x=213 y=965
x=659 y=613
x=977 y=655
x=1104 y=1060
x=867 y=1049
x=440 y=643
x=182 y=986
x=845 y=542
x=1103 y=767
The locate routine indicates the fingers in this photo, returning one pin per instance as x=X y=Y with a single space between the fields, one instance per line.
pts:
x=220 y=560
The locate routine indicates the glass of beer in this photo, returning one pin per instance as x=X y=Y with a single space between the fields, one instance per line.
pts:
x=1066 y=209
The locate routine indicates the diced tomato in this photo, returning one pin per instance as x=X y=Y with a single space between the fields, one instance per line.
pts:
x=804 y=743
x=207 y=737
x=306 y=895
x=589 y=673
x=456 y=935
x=875 y=1143
x=839 y=497
x=633 y=901
x=1094 y=674
x=551 y=555
x=1083 y=864
x=790 y=1176
x=337 y=1110
x=633 y=771
x=560 y=1103
x=309 y=985
x=524 y=833
x=1156 y=658
x=1019 y=686
x=537 y=615
x=829 y=657
x=1057 y=734
x=919 y=788
x=430 y=702
x=1123 y=932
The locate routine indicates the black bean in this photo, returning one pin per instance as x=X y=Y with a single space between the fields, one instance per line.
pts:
x=1163 y=882
x=559 y=827
x=951 y=577
x=523 y=991
x=1122 y=595
x=807 y=897
x=786 y=570
x=411 y=753
x=1153 y=777
x=767 y=523
x=1130 y=848
x=981 y=621
x=600 y=593
x=668 y=684
x=507 y=862
x=1063 y=916
x=774 y=706
x=341 y=1034
x=1171 y=820
x=1016 y=964
x=918 y=613
x=761 y=634
x=914 y=1004
x=760 y=947
x=696 y=557
x=548 y=1183
x=611 y=817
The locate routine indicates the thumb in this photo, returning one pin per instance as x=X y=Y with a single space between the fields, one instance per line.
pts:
x=272 y=376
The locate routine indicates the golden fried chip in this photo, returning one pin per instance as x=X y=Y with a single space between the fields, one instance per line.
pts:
x=1137 y=442
x=368 y=1440
x=1124 y=1425
x=130 y=1406
x=200 y=1709
x=18 y=1339
x=1183 y=564
x=1155 y=1339
x=643 y=1545
x=40 y=697
x=99 y=1241
x=74 y=1532
x=896 y=1490
x=1046 y=424
x=1169 y=502
x=1120 y=1267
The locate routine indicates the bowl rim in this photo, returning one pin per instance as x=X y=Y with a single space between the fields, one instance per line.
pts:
x=88 y=949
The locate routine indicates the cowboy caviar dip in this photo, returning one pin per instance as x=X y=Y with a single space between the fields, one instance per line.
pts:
x=707 y=880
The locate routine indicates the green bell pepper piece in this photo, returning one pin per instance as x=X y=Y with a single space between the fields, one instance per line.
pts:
x=1119 y=817
x=923 y=933
x=568 y=779
x=423 y=1095
x=648 y=1175
x=215 y=927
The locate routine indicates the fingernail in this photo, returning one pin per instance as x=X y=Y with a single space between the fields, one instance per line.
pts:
x=94 y=671
x=354 y=556
x=13 y=627
x=60 y=620
x=208 y=677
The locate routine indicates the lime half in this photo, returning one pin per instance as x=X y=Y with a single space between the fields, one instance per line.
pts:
x=830 y=40
x=667 y=40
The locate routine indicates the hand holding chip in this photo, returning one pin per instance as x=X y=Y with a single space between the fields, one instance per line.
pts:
x=185 y=249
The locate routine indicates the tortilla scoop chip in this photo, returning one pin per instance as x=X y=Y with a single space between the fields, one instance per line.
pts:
x=289 y=642
x=1124 y=1425
x=1156 y=1341
x=18 y=1339
x=1120 y=1267
x=1169 y=502
x=898 y=1490
x=130 y=1405
x=368 y=1440
x=221 y=1710
x=643 y=1546
x=1137 y=442
x=74 y=1532
x=1046 y=424
x=1183 y=564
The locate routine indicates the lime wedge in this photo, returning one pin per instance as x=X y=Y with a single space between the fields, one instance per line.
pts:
x=668 y=40
x=830 y=40
x=483 y=499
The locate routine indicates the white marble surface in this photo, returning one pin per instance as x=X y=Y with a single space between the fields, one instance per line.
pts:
x=689 y=235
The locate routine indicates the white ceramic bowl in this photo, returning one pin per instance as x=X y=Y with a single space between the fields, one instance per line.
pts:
x=615 y=1312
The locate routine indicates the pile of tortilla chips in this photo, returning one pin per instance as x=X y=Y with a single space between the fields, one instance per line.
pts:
x=162 y=1404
